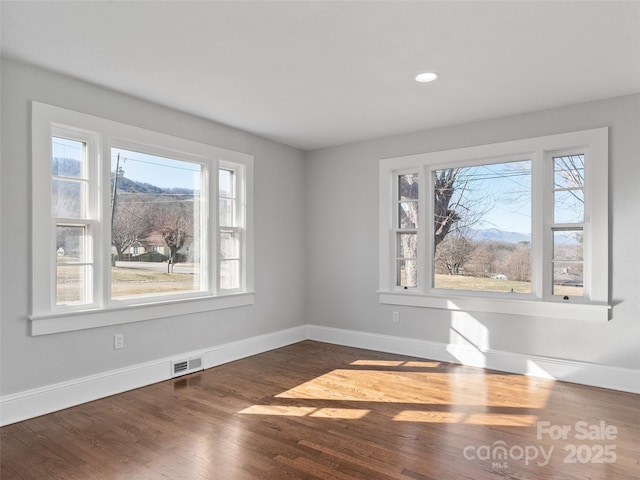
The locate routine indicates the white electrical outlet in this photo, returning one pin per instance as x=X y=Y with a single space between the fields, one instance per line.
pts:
x=396 y=317
x=118 y=341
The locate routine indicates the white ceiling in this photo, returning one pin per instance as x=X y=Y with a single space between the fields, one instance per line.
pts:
x=313 y=74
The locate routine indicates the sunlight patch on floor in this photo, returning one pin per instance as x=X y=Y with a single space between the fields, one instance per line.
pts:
x=394 y=363
x=429 y=417
x=291 y=411
x=486 y=419
x=462 y=396
x=420 y=416
x=425 y=388
x=283 y=410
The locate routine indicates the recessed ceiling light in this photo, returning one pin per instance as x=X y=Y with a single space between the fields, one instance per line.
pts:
x=426 y=77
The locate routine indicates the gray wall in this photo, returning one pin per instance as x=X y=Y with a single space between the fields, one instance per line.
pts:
x=316 y=241
x=342 y=241
x=29 y=362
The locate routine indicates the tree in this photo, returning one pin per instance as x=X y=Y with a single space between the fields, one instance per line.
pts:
x=174 y=222
x=445 y=216
x=519 y=264
x=131 y=223
x=453 y=253
x=408 y=212
x=67 y=195
x=482 y=262
x=569 y=173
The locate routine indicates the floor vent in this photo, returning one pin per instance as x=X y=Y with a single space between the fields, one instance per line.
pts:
x=182 y=367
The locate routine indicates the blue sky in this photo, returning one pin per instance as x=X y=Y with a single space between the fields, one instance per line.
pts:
x=63 y=148
x=158 y=171
x=502 y=192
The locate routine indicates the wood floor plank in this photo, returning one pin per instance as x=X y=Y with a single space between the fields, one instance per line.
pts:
x=320 y=411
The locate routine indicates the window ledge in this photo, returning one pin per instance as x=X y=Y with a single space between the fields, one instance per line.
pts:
x=534 y=308
x=44 y=324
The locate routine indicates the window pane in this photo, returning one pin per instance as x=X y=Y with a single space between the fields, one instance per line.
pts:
x=482 y=225
x=226 y=183
x=70 y=244
x=568 y=206
x=408 y=187
x=229 y=245
x=156 y=235
x=568 y=171
x=68 y=158
x=408 y=214
x=71 y=284
x=229 y=274
x=227 y=212
x=69 y=199
x=407 y=245
x=567 y=244
x=407 y=273
x=567 y=279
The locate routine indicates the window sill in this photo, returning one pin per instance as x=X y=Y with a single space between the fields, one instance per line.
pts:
x=82 y=319
x=534 y=308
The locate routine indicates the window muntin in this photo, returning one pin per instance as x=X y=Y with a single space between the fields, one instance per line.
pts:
x=587 y=230
x=71 y=287
x=230 y=228
x=72 y=209
x=406 y=234
x=482 y=227
x=567 y=229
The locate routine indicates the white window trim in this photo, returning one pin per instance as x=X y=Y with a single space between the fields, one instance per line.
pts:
x=48 y=318
x=595 y=303
x=242 y=190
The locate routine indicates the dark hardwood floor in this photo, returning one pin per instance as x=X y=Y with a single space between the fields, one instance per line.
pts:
x=319 y=411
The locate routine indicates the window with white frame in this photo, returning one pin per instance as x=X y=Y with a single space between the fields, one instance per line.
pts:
x=72 y=212
x=406 y=229
x=130 y=224
x=157 y=200
x=230 y=230
x=517 y=227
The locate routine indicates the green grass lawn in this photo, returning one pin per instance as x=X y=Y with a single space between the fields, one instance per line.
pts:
x=126 y=282
x=483 y=284
x=480 y=284
x=119 y=274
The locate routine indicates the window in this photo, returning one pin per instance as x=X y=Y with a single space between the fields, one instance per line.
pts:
x=406 y=231
x=158 y=200
x=482 y=227
x=229 y=260
x=72 y=212
x=518 y=227
x=567 y=228
x=130 y=224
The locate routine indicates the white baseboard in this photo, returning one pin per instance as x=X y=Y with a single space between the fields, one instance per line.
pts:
x=595 y=375
x=230 y=352
x=51 y=398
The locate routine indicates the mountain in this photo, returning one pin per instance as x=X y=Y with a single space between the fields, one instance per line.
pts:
x=496 y=235
x=133 y=186
x=66 y=167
